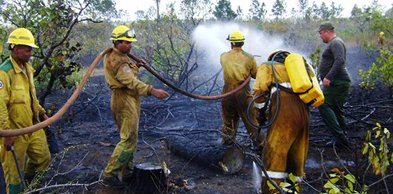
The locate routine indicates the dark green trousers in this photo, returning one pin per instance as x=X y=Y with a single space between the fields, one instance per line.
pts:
x=332 y=110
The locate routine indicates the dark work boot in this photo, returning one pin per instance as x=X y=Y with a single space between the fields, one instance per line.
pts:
x=343 y=142
x=227 y=142
x=339 y=142
x=128 y=180
x=257 y=147
x=112 y=182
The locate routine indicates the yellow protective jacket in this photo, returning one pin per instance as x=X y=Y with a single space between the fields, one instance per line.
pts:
x=122 y=73
x=237 y=65
x=286 y=145
x=265 y=80
x=19 y=106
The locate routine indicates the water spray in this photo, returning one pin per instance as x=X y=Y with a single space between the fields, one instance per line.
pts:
x=256 y=177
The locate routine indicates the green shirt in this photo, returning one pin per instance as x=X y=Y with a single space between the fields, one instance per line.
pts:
x=333 y=61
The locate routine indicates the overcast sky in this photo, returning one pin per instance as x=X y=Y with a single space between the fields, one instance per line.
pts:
x=134 y=5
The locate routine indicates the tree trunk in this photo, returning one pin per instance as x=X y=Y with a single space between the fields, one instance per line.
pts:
x=149 y=179
x=228 y=159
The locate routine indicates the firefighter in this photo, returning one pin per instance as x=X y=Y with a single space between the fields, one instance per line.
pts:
x=20 y=108
x=286 y=146
x=237 y=65
x=121 y=75
x=381 y=38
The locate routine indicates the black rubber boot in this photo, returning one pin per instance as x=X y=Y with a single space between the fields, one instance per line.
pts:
x=113 y=182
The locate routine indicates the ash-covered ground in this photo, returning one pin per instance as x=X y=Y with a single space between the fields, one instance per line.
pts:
x=87 y=136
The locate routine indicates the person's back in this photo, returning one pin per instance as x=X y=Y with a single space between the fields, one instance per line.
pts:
x=286 y=146
x=237 y=66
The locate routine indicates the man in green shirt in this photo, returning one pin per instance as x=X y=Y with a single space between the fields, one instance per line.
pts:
x=336 y=83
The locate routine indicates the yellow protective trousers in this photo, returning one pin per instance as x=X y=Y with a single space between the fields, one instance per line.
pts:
x=35 y=147
x=235 y=107
x=286 y=147
x=121 y=74
x=126 y=113
x=19 y=108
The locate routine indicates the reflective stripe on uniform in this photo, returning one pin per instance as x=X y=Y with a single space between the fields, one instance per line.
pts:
x=259 y=105
x=276 y=175
x=281 y=175
x=285 y=84
x=299 y=179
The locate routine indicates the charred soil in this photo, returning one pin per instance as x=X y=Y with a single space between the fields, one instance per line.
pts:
x=88 y=135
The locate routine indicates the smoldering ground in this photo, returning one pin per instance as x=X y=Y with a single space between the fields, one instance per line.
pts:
x=88 y=134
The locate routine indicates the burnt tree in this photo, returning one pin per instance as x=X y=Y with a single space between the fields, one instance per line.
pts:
x=203 y=148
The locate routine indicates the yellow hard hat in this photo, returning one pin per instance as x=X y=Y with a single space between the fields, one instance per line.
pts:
x=278 y=53
x=123 y=33
x=22 y=36
x=381 y=33
x=236 y=36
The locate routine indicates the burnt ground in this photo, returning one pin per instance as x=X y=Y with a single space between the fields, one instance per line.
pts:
x=87 y=136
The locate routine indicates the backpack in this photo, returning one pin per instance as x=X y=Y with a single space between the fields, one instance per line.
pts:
x=303 y=80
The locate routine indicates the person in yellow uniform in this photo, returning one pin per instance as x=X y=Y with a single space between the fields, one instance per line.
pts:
x=381 y=38
x=20 y=108
x=237 y=65
x=121 y=75
x=286 y=146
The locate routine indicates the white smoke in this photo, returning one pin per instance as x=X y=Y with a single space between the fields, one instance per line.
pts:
x=211 y=41
x=210 y=38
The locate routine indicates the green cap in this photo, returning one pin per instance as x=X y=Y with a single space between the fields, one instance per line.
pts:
x=326 y=26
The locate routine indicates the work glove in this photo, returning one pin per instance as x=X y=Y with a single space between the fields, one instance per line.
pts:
x=8 y=143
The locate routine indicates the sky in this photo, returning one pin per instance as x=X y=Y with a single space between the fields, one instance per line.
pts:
x=209 y=37
x=131 y=6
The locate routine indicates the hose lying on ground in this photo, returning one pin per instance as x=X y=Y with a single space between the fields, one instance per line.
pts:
x=78 y=90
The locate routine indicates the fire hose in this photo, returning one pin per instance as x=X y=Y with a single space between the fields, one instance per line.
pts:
x=78 y=90
x=148 y=68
